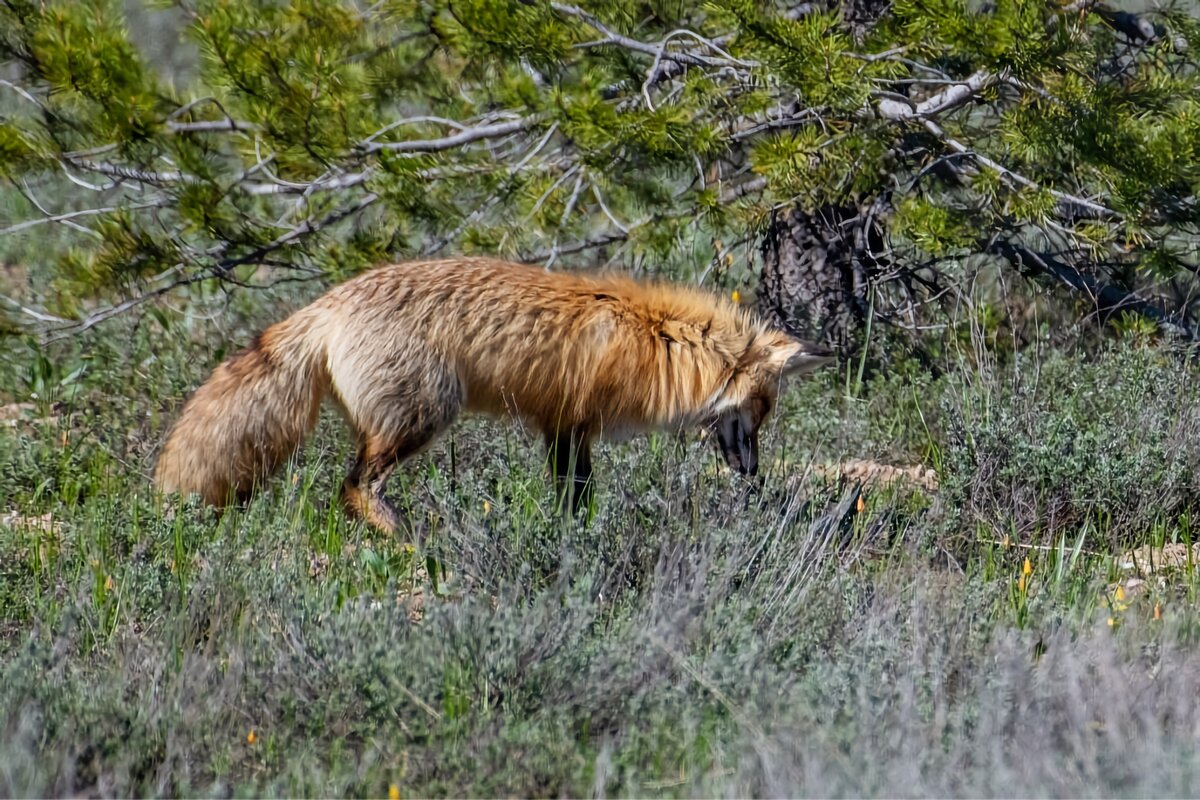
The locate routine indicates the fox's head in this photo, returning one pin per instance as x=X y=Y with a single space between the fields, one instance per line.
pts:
x=752 y=390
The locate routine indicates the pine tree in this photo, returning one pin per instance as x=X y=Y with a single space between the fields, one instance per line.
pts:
x=880 y=154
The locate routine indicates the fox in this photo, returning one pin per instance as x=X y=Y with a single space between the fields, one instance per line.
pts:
x=404 y=349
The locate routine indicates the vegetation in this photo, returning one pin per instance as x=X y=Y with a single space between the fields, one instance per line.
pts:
x=696 y=638
x=927 y=139
x=970 y=566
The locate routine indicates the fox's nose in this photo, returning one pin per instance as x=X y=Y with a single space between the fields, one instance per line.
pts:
x=748 y=464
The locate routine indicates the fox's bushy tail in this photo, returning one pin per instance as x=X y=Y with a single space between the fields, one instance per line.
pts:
x=249 y=417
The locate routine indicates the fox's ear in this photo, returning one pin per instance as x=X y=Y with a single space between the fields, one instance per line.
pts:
x=788 y=355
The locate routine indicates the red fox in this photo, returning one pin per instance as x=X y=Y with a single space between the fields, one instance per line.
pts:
x=403 y=349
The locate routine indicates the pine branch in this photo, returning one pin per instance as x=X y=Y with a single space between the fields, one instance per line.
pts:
x=1070 y=206
x=891 y=109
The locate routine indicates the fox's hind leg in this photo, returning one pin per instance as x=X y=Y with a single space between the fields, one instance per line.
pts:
x=397 y=427
x=570 y=455
x=362 y=491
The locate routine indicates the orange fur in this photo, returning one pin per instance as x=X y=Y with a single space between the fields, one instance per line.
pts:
x=403 y=349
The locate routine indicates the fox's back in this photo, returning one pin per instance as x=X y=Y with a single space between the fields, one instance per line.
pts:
x=554 y=346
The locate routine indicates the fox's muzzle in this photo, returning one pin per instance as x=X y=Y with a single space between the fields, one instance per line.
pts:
x=739 y=445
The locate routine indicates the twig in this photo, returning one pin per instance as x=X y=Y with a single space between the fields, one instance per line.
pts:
x=303 y=229
x=604 y=208
x=463 y=137
x=734 y=711
x=652 y=73
x=638 y=46
x=129 y=173
x=1042 y=547
x=496 y=195
x=391 y=126
x=28 y=194
x=782 y=122
x=87 y=212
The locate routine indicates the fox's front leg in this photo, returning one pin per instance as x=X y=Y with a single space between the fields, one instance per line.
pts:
x=570 y=457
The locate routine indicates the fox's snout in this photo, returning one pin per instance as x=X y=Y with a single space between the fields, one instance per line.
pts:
x=753 y=392
x=738 y=443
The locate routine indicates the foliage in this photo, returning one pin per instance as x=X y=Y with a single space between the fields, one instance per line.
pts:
x=317 y=137
x=1107 y=446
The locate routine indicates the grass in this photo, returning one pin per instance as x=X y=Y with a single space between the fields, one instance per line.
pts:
x=815 y=637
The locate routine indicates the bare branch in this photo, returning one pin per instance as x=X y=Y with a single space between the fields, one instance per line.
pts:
x=87 y=212
x=463 y=137
x=92 y=320
x=129 y=173
x=576 y=247
x=40 y=316
x=213 y=126
x=897 y=107
x=756 y=184
x=23 y=92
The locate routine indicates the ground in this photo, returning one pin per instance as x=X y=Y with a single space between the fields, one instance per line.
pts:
x=979 y=583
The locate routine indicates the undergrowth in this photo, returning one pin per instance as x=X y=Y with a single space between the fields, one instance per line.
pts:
x=701 y=636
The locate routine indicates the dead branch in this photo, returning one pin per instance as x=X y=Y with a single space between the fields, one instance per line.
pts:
x=1109 y=299
x=457 y=140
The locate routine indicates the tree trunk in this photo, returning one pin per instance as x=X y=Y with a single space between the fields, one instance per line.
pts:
x=816 y=270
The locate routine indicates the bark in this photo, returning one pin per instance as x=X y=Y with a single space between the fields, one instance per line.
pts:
x=817 y=267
